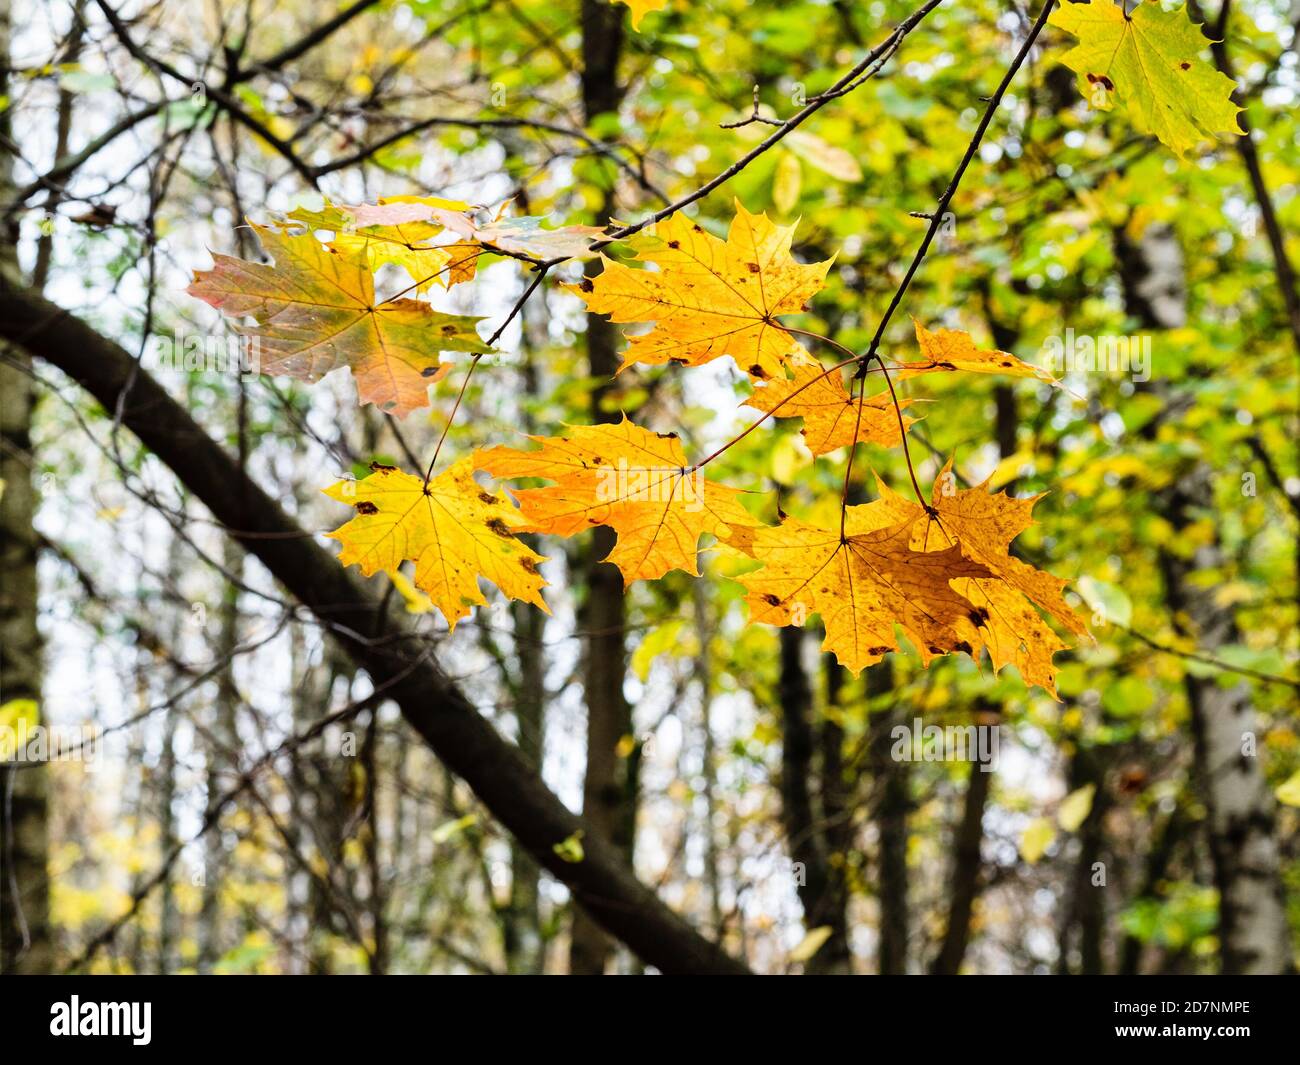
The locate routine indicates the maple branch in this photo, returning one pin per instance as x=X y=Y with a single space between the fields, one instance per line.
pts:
x=865 y=69
x=936 y=220
x=907 y=453
x=66 y=165
x=771 y=413
x=845 y=84
x=219 y=96
x=1210 y=660
x=432 y=704
x=305 y=43
x=864 y=361
x=519 y=306
x=601 y=148
x=941 y=209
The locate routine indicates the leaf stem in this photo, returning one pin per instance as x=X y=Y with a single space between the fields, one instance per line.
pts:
x=807 y=384
x=452 y=416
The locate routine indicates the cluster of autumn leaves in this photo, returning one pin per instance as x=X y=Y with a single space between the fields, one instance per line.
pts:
x=940 y=574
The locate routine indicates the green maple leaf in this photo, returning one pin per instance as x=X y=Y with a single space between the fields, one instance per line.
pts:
x=1150 y=61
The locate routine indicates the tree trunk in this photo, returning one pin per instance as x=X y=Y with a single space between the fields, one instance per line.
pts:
x=525 y=947
x=966 y=866
x=703 y=669
x=1085 y=909
x=805 y=824
x=609 y=787
x=891 y=800
x=222 y=756
x=1253 y=932
x=25 y=945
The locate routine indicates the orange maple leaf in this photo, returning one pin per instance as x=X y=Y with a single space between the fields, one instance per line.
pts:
x=832 y=418
x=950 y=350
x=637 y=482
x=709 y=297
x=863 y=584
x=944 y=575
x=984 y=524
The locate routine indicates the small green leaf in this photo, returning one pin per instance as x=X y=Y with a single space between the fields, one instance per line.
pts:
x=570 y=850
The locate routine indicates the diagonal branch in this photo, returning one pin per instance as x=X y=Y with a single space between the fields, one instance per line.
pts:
x=433 y=705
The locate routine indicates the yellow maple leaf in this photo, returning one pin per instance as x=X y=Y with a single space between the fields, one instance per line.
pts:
x=641 y=8
x=1288 y=791
x=709 y=297
x=316 y=312
x=863 y=584
x=1150 y=60
x=1037 y=836
x=953 y=350
x=455 y=532
x=832 y=417
x=637 y=482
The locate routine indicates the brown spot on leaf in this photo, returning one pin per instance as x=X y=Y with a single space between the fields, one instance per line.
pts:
x=757 y=371
x=752 y=267
x=771 y=599
x=586 y=285
x=1185 y=66
x=379 y=467
x=674 y=244
x=529 y=565
x=499 y=527
x=428 y=371
x=366 y=507
x=489 y=498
